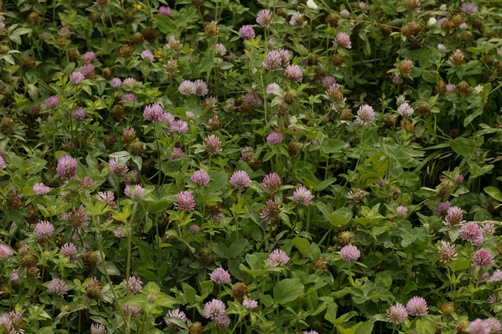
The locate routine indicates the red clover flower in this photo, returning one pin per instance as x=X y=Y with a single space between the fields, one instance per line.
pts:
x=302 y=196
x=417 y=306
x=213 y=309
x=350 y=253
x=397 y=314
x=220 y=276
x=175 y=314
x=240 y=179
x=186 y=201
x=278 y=258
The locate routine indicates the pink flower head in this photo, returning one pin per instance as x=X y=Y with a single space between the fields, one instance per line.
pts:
x=147 y=55
x=294 y=72
x=469 y=8
x=472 y=233
x=240 y=179
x=493 y=325
x=275 y=138
x=222 y=321
x=78 y=114
x=58 y=287
x=40 y=189
x=134 y=192
x=246 y=32
x=220 y=49
x=133 y=284
x=154 y=113
x=365 y=114
x=69 y=250
x=302 y=196
x=86 y=69
x=76 y=78
x=5 y=252
x=442 y=208
x=52 y=101
x=64 y=32
x=212 y=145
x=117 y=170
x=496 y=276
x=175 y=314
x=220 y=276
x=459 y=178
x=417 y=306
x=43 y=230
x=401 y=211
x=89 y=57
x=297 y=20
x=278 y=258
x=200 y=177
x=186 y=201
x=397 y=314
x=200 y=88
x=350 y=253
x=273 y=60
x=271 y=182
x=250 y=304
x=106 y=196
x=116 y=82
x=482 y=258
x=454 y=216
x=405 y=110
x=213 y=309
x=446 y=252
x=129 y=97
x=165 y=11
x=67 y=167
x=176 y=154
x=342 y=39
x=187 y=88
x=98 y=329
x=265 y=18
x=478 y=327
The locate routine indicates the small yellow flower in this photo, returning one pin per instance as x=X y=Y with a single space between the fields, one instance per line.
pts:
x=138 y=6
x=157 y=52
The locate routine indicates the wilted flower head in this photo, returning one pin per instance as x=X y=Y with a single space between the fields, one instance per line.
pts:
x=200 y=177
x=265 y=18
x=246 y=32
x=357 y=195
x=40 y=189
x=278 y=258
x=294 y=72
x=220 y=276
x=417 y=306
x=43 y=230
x=271 y=182
x=405 y=110
x=57 y=287
x=302 y=196
x=117 y=170
x=342 y=39
x=240 y=179
x=271 y=212
x=175 y=314
x=446 y=252
x=397 y=314
x=186 y=201
x=275 y=138
x=213 y=309
x=350 y=253
x=52 y=101
x=482 y=258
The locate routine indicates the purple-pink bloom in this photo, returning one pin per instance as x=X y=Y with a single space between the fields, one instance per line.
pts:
x=200 y=177
x=187 y=88
x=67 y=167
x=212 y=145
x=222 y=321
x=250 y=304
x=133 y=284
x=179 y=126
x=89 y=57
x=275 y=138
x=40 y=189
x=273 y=60
x=64 y=32
x=86 y=69
x=454 y=216
x=76 y=78
x=472 y=233
x=401 y=211
x=459 y=178
x=342 y=39
x=246 y=32
x=69 y=250
x=106 y=196
x=213 y=309
x=186 y=201
x=482 y=258
x=57 y=287
x=264 y=18
x=220 y=276
x=240 y=179
x=176 y=154
x=302 y=196
x=397 y=314
x=134 y=192
x=271 y=182
x=200 y=88
x=417 y=306
x=154 y=113
x=78 y=114
x=442 y=208
x=350 y=253
x=175 y=314
x=116 y=82
x=129 y=97
x=43 y=230
x=117 y=170
x=147 y=55
x=478 y=327
x=469 y=8
x=365 y=114
x=496 y=276
x=5 y=252
x=446 y=252
x=52 y=101
x=405 y=110
x=165 y=11
x=294 y=72
x=278 y=258
x=494 y=326
x=297 y=20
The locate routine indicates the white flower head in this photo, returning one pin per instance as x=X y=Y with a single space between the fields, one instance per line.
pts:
x=432 y=21
x=311 y=4
x=478 y=89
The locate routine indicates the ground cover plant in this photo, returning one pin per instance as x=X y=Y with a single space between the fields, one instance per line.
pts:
x=256 y=167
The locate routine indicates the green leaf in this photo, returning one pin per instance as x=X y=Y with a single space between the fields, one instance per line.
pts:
x=495 y=193
x=206 y=288
x=463 y=146
x=303 y=245
x=332 y=146
x=287 y=290
x=425 y=326
x=165 y=24
x=472 y=116
x=218 y=180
